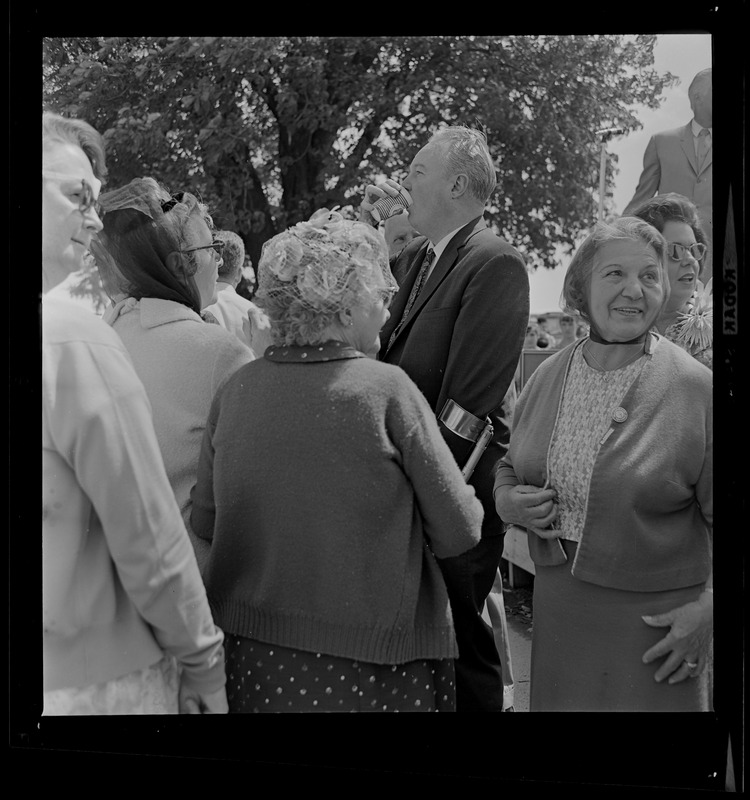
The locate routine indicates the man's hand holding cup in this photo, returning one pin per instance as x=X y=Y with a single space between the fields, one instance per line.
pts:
x=383 y=201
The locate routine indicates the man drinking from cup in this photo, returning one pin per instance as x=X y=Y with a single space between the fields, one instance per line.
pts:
x=456 y=328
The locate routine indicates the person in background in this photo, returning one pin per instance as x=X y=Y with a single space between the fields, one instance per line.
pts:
x=681 y=160
x=532 y=335
x=610 y=473
x=122 y=595
x=159 y=260
x=326 y=492
x=544 y=333
x=687 y=319
x=241 y=317
x=457 y=331
x=567 y=331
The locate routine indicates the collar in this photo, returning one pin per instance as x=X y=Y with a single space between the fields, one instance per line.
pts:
x=153 y=311
x=696 y=128
x=443 y=243
x=332 y=350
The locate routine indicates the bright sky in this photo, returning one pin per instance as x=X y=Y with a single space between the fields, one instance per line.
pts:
x=682 y=55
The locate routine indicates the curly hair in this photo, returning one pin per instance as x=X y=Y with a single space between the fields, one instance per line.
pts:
x=577 y=282
x=310 y=273
x=672 y=207
x=64 y=130
x=143 y=225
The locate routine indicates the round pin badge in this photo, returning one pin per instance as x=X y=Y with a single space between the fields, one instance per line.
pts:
x=619 y=415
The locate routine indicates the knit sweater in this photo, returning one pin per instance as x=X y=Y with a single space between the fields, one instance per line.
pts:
x=650 y=500
x=325 y=488
x=181 y=361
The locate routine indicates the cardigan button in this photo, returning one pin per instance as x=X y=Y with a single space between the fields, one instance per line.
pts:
x=619 y=415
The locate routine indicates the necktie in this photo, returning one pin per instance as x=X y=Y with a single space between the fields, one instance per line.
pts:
x=415 y=290
x=702 y=147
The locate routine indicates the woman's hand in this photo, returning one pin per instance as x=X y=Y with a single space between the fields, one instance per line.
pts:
x=688 y=641
x=191 y=701
x=373 y=193
x=529 y=506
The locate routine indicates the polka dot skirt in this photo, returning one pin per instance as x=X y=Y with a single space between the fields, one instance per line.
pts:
x=267 y=678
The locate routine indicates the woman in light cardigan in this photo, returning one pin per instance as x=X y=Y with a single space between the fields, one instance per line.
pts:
x=609 y=471
x=122 y=596
x=326 y=491
x=159 y=260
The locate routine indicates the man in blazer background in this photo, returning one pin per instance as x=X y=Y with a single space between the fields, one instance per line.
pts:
x=461 y=340
x=681 y=160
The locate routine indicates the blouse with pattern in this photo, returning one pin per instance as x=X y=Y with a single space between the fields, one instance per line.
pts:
x=588 y=401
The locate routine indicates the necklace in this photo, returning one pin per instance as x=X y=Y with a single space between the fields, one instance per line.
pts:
x=602 y=368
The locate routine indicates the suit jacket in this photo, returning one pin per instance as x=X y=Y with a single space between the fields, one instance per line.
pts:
x=463 y=338
x=670 y=165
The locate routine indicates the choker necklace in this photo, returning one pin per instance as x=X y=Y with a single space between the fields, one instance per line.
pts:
x=594 y=336
x=602 y=368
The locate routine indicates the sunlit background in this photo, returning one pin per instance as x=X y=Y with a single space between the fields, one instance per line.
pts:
x=681 y=54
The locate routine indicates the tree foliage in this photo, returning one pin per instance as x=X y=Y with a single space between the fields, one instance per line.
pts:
x=266 y=129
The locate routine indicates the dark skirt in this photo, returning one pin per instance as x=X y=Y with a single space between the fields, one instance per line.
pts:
x=588 y=642
x=267 y=678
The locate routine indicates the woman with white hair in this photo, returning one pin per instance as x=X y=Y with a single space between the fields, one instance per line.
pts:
x=122 y=595
x=326 y=490
x=609 y=472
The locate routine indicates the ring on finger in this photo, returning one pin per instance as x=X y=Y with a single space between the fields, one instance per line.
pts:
x=691 y=664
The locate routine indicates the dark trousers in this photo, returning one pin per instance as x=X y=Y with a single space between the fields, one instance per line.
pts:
x=469 y=578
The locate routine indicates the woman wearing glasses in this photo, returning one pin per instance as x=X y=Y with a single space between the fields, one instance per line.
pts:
x=325 y=488
x=122 y=595
x=159 y=263
x=687 y=319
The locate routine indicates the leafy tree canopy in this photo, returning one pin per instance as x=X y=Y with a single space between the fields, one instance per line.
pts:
x=267 y=129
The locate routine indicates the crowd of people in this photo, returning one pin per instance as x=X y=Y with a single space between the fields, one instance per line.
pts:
x=298 y=503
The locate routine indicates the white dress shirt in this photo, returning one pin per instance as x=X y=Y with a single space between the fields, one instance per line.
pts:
x=439 y=248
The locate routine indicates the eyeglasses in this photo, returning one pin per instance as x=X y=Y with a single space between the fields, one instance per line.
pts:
x=87 y=200
x=217 y=246
x=677 y=251
x=168 y=205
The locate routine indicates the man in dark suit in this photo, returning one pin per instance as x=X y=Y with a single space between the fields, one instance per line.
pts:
x=460 y=340
x=681 y=160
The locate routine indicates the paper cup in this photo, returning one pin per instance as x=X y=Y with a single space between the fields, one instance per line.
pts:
x=386 y=206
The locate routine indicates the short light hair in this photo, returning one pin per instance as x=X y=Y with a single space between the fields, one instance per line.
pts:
x=65 y=130
x=672 y=207
x=311 y=272
x=467 y=153
x=704 y=76
x=577 y=281
x=233 y=256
